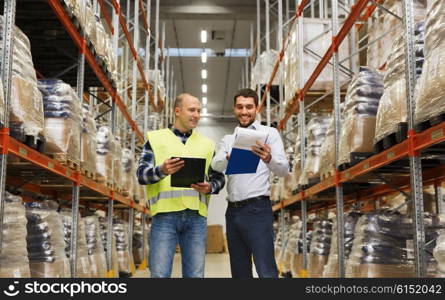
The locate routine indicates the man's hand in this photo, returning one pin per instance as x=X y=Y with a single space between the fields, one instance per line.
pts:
x=263 y=151
x=202 y=187
x=172 y=165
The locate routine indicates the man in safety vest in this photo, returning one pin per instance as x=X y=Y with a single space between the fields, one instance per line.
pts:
x=179 y=214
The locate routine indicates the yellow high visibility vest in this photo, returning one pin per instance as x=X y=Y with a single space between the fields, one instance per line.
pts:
x=161 y=195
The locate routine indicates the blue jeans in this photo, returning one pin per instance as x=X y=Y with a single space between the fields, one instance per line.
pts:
x=187 y=228
x=250 y=233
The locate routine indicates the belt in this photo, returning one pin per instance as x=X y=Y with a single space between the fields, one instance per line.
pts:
x=243 y=203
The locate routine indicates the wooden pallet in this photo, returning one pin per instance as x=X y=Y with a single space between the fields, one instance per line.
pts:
x=65 y=160
x=327 y=175
x=311 y=183
x=354 y=158
x=432 y=121
x=393 y=138
x=88 y=173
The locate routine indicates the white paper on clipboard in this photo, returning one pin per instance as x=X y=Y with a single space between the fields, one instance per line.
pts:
x=246 y=138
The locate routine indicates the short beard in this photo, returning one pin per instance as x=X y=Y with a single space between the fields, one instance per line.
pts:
x=250 y=123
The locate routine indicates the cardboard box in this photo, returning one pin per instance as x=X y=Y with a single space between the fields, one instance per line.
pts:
x=215 y=239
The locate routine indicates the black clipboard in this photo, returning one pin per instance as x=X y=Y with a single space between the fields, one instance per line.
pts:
x=192 y=172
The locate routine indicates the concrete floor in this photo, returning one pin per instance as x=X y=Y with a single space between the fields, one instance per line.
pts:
x=217 y=266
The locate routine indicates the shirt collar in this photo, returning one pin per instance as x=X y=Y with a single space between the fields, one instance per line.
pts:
x=179 y=133
x=255 y=125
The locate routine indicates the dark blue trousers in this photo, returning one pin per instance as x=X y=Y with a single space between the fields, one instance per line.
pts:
x=249 y=231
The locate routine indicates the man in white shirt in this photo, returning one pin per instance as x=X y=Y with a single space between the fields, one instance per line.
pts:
x=249 y=215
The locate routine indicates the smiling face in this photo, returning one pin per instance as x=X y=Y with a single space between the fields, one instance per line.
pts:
x=245 y=110
x=187 y=114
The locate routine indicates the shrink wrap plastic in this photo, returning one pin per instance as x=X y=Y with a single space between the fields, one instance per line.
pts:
x=118 y=174
x=63 y=119
x=262 y=70
x=14 y=261
x=26 y=108
x=296 y=168
x=392 y=106
x=45 y=241
x=105 y=153
x=350 y=220
x=83 y=269
x=128 y=172
x=138 y=242
x=385 y=27
x=317 y=38
x=103 y=223
x=430 y=90
x=327 y=151
x=320 y=247
x=96 y=253
x=88 y=154
x=124 y=257
x=383 y=245
x=296 y=261
x=316 y=129
x=361 y=104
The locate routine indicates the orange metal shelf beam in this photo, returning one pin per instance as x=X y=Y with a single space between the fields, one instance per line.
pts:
x=103 y=9
x=81 y=44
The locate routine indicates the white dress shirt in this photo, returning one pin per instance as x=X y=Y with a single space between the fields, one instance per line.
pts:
x=244 y=186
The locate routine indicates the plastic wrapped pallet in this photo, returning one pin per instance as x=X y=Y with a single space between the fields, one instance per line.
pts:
x=63 y=119
x=296 y=261
x=383 y=245
x=320 y=247
x=291 y=244
x=138 y=243
x=105 y=154
x=430 y=92
x=296 y=167
x=350 y=220
x=124 y=257
x=316 y=134
x=88 y=154
x=128 y=172
x=317 y=38
x=103 y=223
x=26 y=108
x=83 y=269
x=117 y=161
x=392 y=107
x=327 y=152
x=439 y=253
x=361 y=104
x=96 y=253
x=14 y=261
x=45 y=242
x=263 y=68
x=385 y=27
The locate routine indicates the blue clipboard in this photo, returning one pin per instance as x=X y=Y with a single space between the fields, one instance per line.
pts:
x=242 y=162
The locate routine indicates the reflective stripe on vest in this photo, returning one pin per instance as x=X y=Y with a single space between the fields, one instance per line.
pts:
x=177 y=194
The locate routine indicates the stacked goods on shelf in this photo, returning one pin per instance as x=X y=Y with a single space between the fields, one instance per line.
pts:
x=103 y=224
x=392 y=110
x=45 y=242
x=296 y=167
x=117 y=165
x=14 y=261
x=124 y=257
x=128 y=173
x=289 y=179
x=291 y=244
x=263 y=68
x=320 y=246
x=26 y=107
x=317 y=38
x=139 y=190
x=296 y=260
x=105 y=154
x=383 y=245
x=138 y=243
x=291 y=84
x=350 y=220
x=284 y=254
x=316 y=128
x=430 y=92
x=155 y=76
x=385 y=27
x=63 y=121
x=96 y=253
x=275 y=189
x=358 y=127
x=439 y=254
x=327 y=152
x=89 y=144
x=83 y=269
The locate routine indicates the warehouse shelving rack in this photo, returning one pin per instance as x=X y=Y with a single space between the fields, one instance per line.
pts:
x=55 y=179
x=410 y=156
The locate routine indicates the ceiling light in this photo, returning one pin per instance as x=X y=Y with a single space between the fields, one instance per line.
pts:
x=204 y=88
x=203 y=36
x=204 y=101
x=204 y=57
x=204 y=110
x=204 y=74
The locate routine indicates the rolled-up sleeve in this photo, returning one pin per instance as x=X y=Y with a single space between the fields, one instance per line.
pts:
x=219 y=162
x=278 y=163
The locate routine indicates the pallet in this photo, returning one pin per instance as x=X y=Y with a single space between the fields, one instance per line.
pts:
x=311 y=183
x=88 y=173
x=432 y=121
x=393 y=138
x=38 y=142
x=354 y=158
x=118 y=189
x=327 y=175
x=65 y=160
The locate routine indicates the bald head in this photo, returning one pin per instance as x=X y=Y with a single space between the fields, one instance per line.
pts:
x=187 y=111
x=184 y=96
